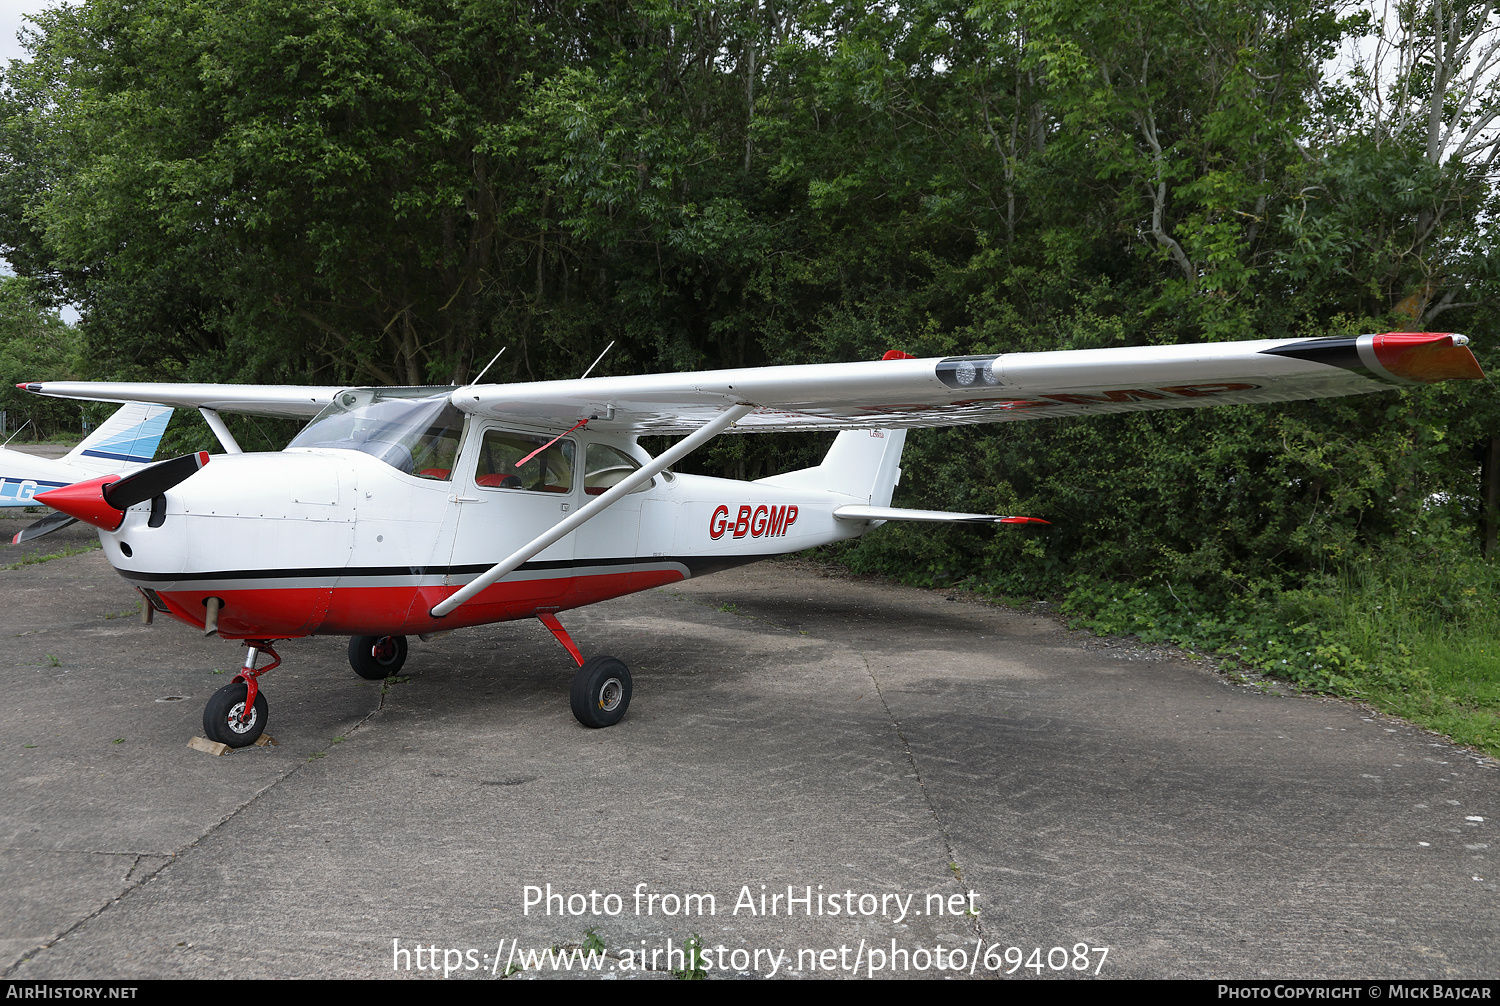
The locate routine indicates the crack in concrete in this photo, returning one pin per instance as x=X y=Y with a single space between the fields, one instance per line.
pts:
x=80 y=852
x=130 y=886
x=953 y=865
x=170 y=858
x=911 y=758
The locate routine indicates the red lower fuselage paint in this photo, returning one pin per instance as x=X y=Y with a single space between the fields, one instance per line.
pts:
x=338 y=543
x=285 y=612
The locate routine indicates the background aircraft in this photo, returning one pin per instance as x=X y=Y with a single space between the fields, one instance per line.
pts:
x=126 y=441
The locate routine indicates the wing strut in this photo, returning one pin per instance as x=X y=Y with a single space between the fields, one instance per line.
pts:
x=216 y=423
x=584 y=513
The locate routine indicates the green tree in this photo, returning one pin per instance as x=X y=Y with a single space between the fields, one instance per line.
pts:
x=35 y=345
x=389 y=193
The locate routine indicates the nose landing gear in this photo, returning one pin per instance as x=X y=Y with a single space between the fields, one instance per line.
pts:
x=236 y=714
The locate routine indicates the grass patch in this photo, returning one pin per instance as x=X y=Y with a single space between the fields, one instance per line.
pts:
x=1451 y=632
x=32 y=560
x=65 y=439
x=1420 y=641
x=693 y=959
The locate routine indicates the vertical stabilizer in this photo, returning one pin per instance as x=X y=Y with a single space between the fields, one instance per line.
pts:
x=129 y=437
x=123 y=442
x=862 y=464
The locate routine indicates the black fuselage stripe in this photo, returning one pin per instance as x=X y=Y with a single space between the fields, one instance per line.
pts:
x=697 y=564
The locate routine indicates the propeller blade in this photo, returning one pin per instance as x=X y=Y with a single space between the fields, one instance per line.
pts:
x=52 y=522
x=140 y=486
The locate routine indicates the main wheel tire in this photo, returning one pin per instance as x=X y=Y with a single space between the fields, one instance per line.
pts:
x=601 y=692
x=221 y=716
x=376 y=658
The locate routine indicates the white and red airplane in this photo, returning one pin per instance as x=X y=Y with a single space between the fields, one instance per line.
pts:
x=415 y=511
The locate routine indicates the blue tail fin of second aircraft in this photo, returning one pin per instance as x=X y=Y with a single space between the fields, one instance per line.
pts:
x=129 y=437
x=123 y=442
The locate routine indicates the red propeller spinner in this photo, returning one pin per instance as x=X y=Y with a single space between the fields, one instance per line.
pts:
x=103 y=501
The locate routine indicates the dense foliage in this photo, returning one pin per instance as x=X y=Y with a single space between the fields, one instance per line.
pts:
x=383 y=192
x=34 y=344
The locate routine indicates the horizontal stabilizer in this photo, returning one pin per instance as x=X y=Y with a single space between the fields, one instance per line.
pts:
x=937 y=516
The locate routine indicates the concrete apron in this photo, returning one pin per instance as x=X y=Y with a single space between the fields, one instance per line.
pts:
x=787 y=730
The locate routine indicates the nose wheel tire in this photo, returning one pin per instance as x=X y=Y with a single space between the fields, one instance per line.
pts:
x=601 y=692
x=222 y=716
x=376 y=658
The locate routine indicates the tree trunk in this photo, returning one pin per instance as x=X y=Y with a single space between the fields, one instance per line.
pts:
x=1491 y=483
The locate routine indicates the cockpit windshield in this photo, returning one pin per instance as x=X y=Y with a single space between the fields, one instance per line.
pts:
x=416 y=430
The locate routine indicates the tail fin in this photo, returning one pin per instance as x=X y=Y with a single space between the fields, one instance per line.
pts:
x=862 y=464
x=129 y=437
x=124 y=441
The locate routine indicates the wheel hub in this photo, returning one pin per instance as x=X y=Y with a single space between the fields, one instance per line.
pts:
x=238 y=721
x=610 y=694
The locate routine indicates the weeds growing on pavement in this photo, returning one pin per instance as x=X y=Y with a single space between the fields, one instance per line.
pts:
x=1419 y=640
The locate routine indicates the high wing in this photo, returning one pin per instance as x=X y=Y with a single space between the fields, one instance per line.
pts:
x=257 y=399
x=906 y=392
x=903 y=392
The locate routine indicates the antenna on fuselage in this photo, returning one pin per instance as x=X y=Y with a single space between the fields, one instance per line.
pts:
x=586 y=373
x=487 y=366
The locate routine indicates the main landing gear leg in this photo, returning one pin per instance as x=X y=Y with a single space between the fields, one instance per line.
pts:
x=236 y=714
x=601 y=688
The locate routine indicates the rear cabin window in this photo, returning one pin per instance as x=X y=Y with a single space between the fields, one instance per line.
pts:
x=605 y=467
x=547 y=471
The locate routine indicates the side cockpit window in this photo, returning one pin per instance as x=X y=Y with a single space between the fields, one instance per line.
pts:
x=435 y=451
x=542 y=468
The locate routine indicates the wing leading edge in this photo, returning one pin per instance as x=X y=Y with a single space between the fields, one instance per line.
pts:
x=258 y=399
x=903 y=393
x=986 y=389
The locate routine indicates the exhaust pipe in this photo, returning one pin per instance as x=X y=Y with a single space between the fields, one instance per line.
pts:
x=211 y=619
